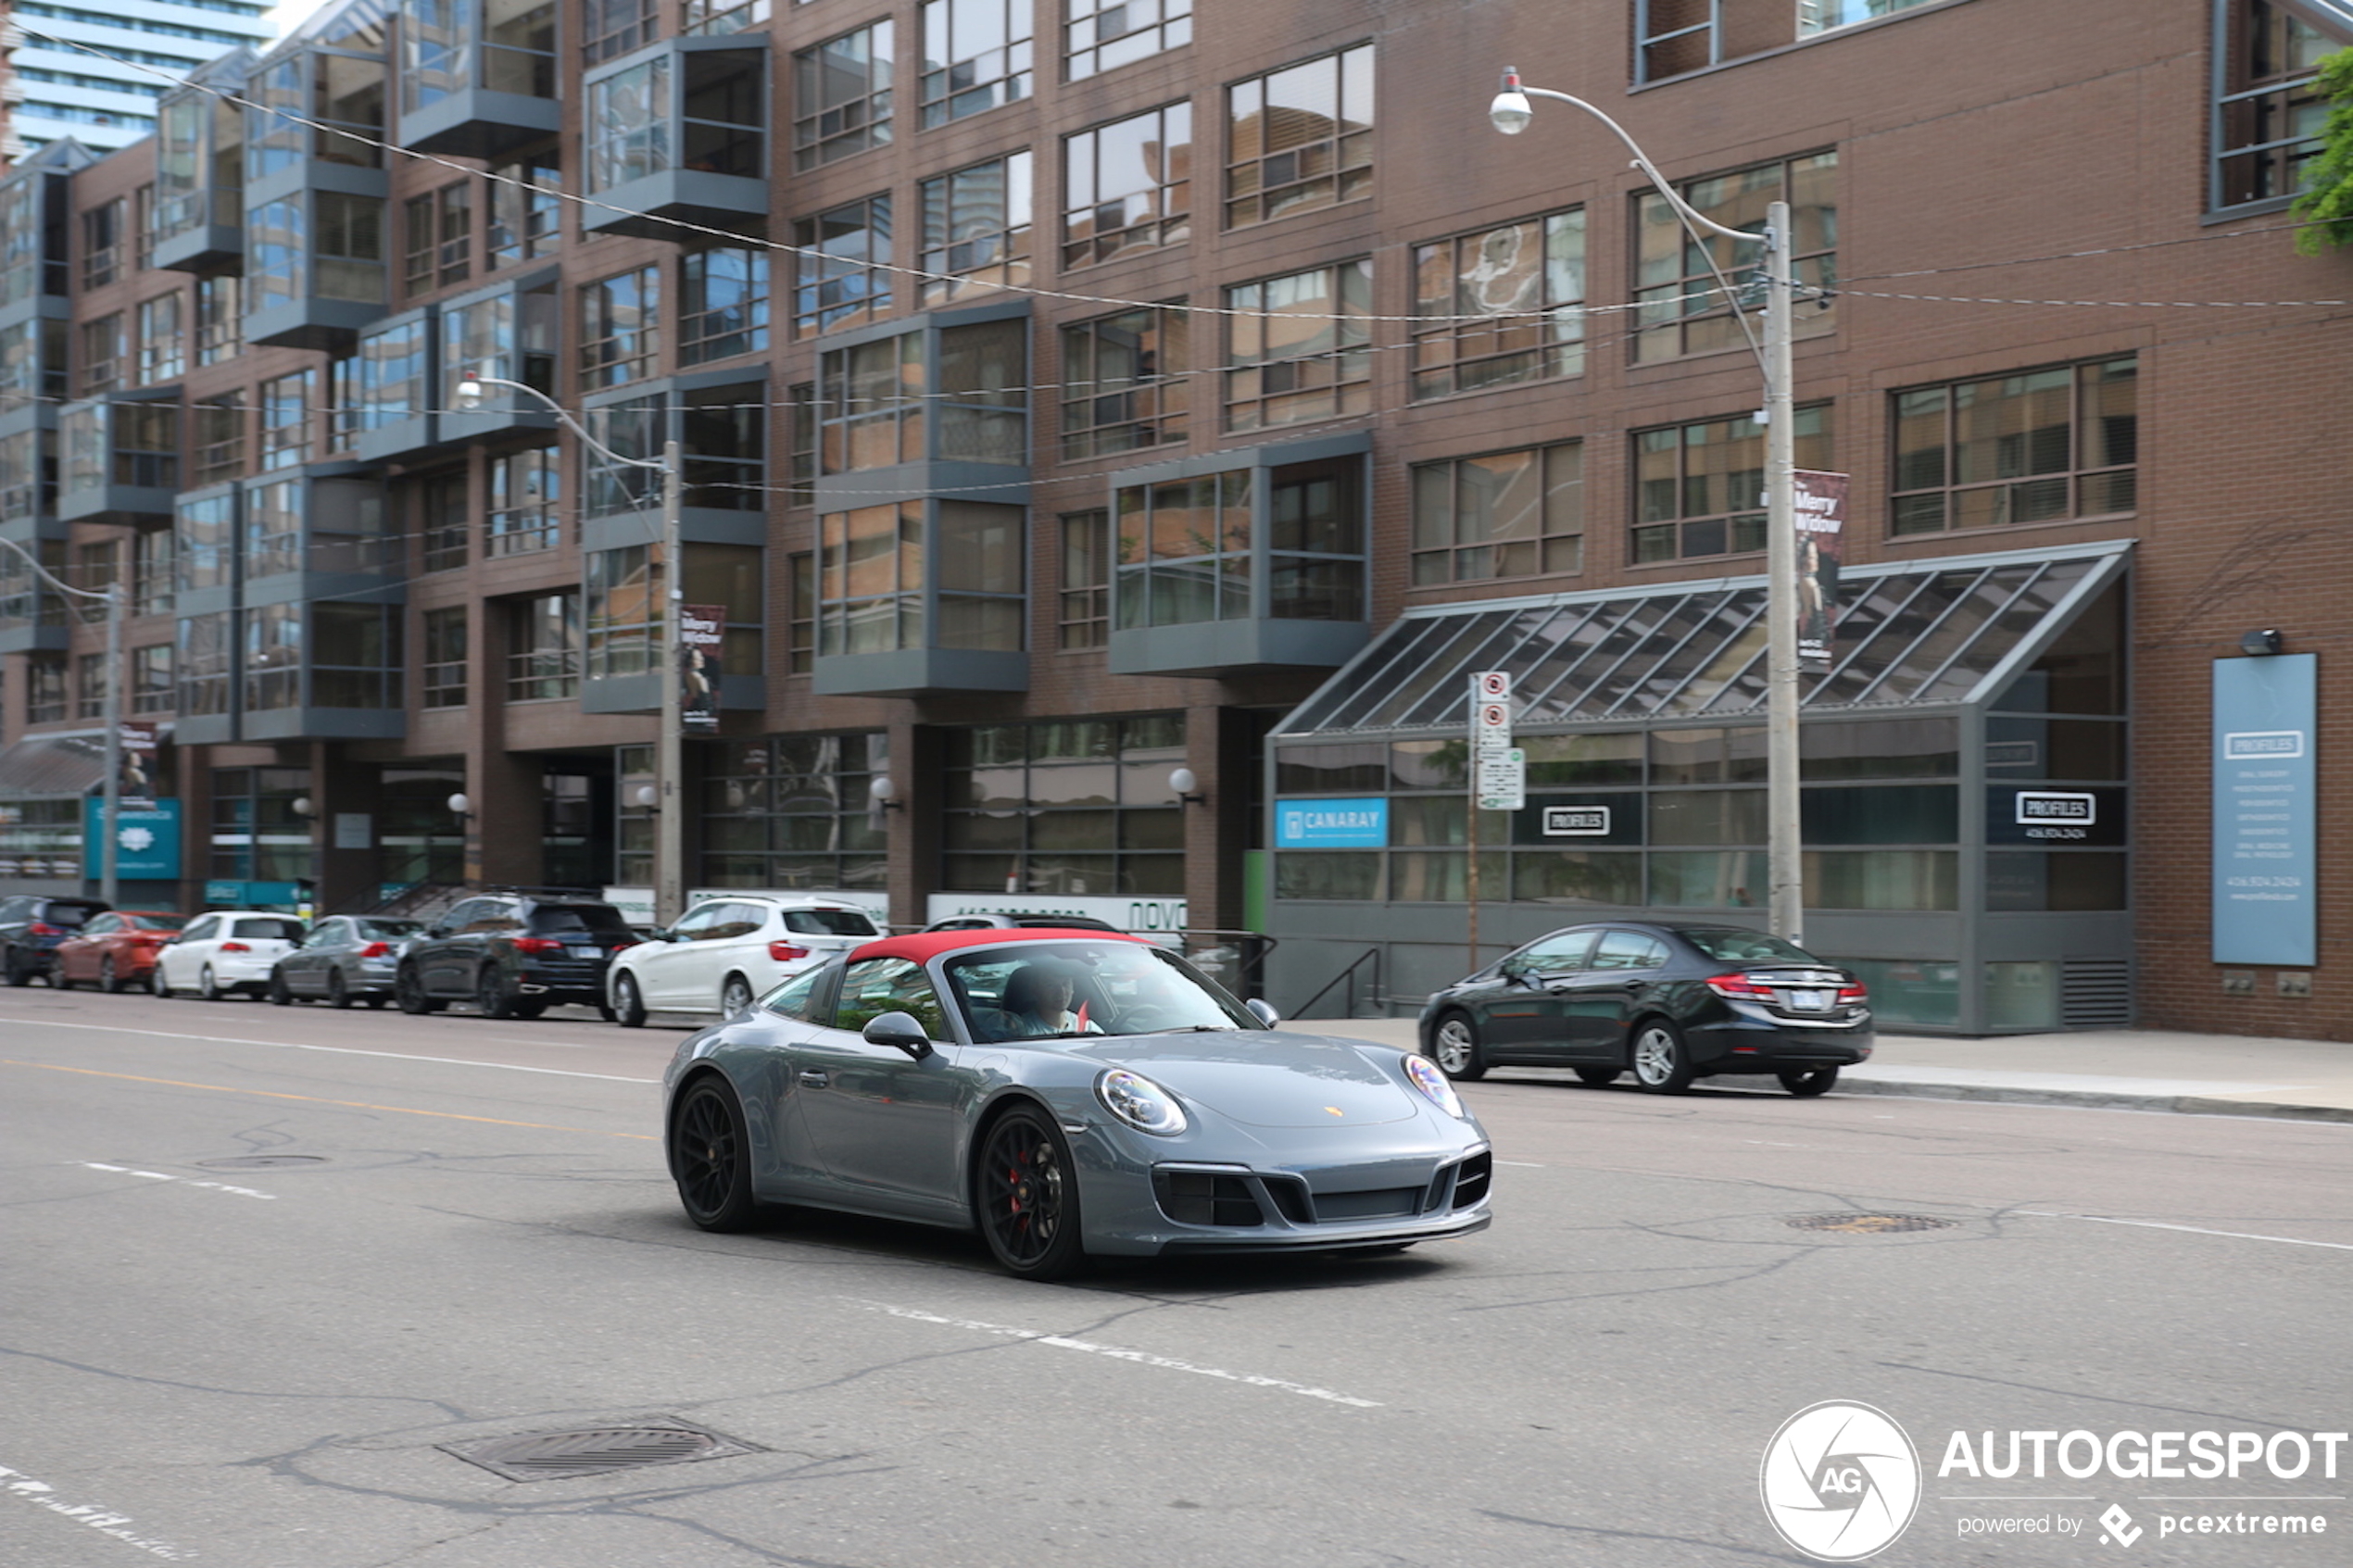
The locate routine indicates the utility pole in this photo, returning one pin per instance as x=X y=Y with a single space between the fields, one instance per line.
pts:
x=1784 y=853
x=670 y=810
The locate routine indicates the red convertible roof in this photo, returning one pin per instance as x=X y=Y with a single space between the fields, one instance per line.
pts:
x=922 y=946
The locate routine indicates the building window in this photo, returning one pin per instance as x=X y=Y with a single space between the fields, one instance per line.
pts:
x=151 y=574
x=801 y=616
x=90 y=686
x=723 y=304
x=525 y=220
x=152 y=689
x=794 y=812
x=256 y=834
x=355 y=656
x=106 y=353
x=975 y=56
x=1504 y=514
x=95 y=568
x=545 y=663
x=440 y=227
x=163 y=344
x=1299 y=139
x=1080 y=807
x=2267 y=117
x=842 y=276
x=351 y=248
x=1699 y=489
x=871 y=578
x=634 y=429
x=732 y=578
x=1105 y=34
x=622 y=616
x=1128 y=186
x=202 y=663
x=219 y=437
x=392 y=374
x=620 y=335
x=508 y=335
x=347 y=402
x=440 y=502
x=872 y=404
x=274 y=528
x=44 y=695
x=1188 y=550
x=219 y=320
x=1500 y=307
x=142 y=228
x=1680 y=309
x=1675 y=36
x=610 y=29
x=525 y=490
x=445 y=666
x=723 y=444
x=286 y=419
x=977 y=229
x=708 y=18
x=102 y=240
x=2030 y=447
x=1298 y=347
x=273 y=657
x=1124 y=381
x=801 y=409
x=841 y=97
x=1086 y=590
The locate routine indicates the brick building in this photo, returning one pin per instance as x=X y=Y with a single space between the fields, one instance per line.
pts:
x=1029 y=469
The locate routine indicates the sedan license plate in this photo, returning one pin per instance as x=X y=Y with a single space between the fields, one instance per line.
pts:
x=1809 y=1001
x=582 y=952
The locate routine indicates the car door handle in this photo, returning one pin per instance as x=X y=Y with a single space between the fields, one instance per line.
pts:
x=813 y=1078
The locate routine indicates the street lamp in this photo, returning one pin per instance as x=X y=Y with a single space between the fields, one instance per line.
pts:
x=670 y=825
x=1511 y=113
x=109 y=816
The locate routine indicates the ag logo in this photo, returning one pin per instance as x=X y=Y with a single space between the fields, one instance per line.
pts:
x=1840 y=1481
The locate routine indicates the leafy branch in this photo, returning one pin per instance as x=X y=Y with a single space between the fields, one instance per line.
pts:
x=2326 y=201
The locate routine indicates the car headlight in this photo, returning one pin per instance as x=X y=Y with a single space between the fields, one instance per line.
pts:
x=1139 y=1103
x=1432 y=1082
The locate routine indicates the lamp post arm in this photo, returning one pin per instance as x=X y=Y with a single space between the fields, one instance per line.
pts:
x=569 y=422
x=109 y=887
x=52 y=579
x=1642 y=162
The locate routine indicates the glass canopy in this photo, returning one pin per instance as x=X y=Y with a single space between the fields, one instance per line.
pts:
x=1910 y=634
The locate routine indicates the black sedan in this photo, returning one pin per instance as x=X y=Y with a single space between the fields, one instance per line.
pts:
x=343 y=960
x=1671 y=1002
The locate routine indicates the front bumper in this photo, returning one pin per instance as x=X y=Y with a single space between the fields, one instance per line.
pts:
x=1192 y=1208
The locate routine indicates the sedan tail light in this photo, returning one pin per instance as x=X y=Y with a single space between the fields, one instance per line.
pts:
x=785 y=952
x=41 y=928
x=537 y=945
x=1857 y=992
x=376 y=950
x=1737 y=984
x=234 y=947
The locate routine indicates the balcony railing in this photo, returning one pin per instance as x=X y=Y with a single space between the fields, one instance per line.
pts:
x=543 y=675
x=522 y=531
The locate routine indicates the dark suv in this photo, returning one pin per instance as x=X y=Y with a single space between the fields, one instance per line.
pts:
x=31 y=928
x=513 y=955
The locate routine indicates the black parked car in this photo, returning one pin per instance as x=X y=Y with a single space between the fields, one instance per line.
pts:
x=345 y=958
x=1672 y=1002
x=30 y=927
x=513 y=955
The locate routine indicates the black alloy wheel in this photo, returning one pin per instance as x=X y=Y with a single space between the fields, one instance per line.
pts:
x=1808 y=1082
x=409 y=989
x=493 y=997
x=279 y=994
x=1662 y=1062
x=734 y=996
x=1027 y=1191
x=338 y=994
x=17 y=971
x=628 y=1007
x=1455 y=1044
x=711 y=1158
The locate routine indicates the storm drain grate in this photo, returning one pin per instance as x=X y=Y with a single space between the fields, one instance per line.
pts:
x=261 y=1161
x=596 y=1450
x=1869 y=1224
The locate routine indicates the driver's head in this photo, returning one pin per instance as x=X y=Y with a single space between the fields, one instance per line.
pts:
x=1036 y=989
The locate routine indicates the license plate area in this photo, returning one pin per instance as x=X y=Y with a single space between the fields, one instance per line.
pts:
x=1807 y=1000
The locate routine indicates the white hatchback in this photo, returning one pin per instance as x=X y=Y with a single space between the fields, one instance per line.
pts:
x=728 y=950
x=224 y=952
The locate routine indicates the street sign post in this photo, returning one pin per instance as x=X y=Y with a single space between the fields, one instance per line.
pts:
x=1498 y=775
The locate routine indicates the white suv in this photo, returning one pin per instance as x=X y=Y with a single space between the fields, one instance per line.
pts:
x=224 y=953
x=728 y=950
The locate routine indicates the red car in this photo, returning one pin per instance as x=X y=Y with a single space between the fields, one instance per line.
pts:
x=115 y=951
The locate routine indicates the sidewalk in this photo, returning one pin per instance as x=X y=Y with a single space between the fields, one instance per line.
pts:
x=2123 y=1069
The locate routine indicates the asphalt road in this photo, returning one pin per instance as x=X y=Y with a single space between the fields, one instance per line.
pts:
x=260 y=1268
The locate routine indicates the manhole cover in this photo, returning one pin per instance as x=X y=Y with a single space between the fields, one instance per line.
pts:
x=1869 y=1224
x=260 y=1161
x=594 y=1450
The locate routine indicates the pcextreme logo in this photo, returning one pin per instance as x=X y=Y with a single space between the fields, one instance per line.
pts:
x=1840 y=1481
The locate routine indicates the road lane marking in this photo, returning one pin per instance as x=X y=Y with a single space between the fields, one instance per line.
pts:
x=1113 y=1352
x=318 y=1099
x=184 y=1181
x=2194 y=1230
x=106 y=1522
x=342 y=1051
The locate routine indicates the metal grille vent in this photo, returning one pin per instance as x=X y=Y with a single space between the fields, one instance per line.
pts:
x=2095 y=992
x=1869 y=1224
x=596 y=1450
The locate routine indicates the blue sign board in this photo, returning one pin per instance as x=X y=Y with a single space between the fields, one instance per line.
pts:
x=147 y=840
x=1360 y=824
x=2266 y=810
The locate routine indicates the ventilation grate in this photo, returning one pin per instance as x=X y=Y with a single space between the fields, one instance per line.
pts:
x=2095 y=992
x=596 y=1450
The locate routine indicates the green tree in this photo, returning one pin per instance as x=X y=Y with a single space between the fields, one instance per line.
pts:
x=2326 y=201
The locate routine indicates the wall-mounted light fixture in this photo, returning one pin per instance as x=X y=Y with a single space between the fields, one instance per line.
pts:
x=645 y=797
x=2261 y=643
x=885 y=794
x=461 y=805
x=1186 y=787
x=303 y=807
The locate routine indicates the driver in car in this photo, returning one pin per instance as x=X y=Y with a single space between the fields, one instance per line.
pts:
x=1037 y=1002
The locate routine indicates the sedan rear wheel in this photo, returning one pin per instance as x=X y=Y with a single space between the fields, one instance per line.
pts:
x=1027 y=1191
x=206 y=986
x=493 y=997
x=279 y=994
x=409 y=989
x=1806 y=1083
x=157 y=983
x=1455 y=1044
x=1662 y=1064
x=711 y=1158
x=108 y=980
x=339 y=993
x=628 y=1007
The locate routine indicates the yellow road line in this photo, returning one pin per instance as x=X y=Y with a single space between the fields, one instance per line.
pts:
x=315 y=1099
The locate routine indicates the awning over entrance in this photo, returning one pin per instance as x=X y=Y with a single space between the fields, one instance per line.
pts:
x=1910 y=634
x=48 y=766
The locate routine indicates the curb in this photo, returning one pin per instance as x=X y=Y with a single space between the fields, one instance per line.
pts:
x=2186 y=1105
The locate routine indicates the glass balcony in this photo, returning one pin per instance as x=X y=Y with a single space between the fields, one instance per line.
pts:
x=311 y=535
x=397 y=388
x=329 y=671
x=120 y=458
x=199 y=218
x=478 y=76
x=315 y=269
x=33 y=208
x=678 y=131
x=507 y=333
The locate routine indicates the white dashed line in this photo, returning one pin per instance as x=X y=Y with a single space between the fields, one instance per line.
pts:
x=184 y=1181
x=346 y=1050
x=1113 y=1352
x=2194 y=1230
x=17 y=1485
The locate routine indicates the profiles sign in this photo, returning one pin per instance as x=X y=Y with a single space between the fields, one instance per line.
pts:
x=1576 y=822
x=2055 y=819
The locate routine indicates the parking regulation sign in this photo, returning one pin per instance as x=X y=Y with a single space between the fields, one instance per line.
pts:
x=1502 y=780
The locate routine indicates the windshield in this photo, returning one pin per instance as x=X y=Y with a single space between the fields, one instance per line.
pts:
x=266 y=928
x=830 y=922
x=1043 y=990
x=72 y=914
x=1728 y=945
x=387 y=929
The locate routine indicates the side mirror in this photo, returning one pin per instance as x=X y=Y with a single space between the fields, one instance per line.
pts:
x=1264 y=1011
x=899 y=1029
